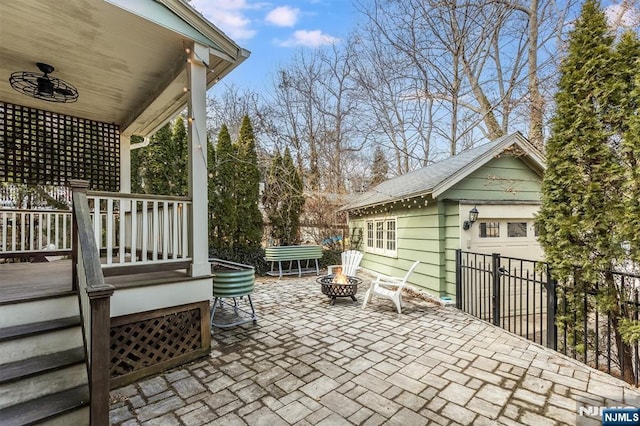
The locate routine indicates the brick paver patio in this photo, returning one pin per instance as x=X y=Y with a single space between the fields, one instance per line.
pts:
x=309 y=363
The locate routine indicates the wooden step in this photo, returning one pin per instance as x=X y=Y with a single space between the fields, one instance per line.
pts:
x=24 y=330
x=41 y=338
x=39 y=309
x=46 y=407
x=41 y=364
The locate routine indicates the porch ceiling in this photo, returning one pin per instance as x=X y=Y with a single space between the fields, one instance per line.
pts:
x=128 y=66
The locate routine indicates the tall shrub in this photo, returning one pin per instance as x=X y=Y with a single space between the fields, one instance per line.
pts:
x=249 y=228
x=582 y=213
x=225 y=211
x=284 y=199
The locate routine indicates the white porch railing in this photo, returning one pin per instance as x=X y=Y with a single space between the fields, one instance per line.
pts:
x=129 y=229
x=31 y=231
x=138 y=229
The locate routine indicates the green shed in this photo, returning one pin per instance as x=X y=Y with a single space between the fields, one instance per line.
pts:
x=425 y=215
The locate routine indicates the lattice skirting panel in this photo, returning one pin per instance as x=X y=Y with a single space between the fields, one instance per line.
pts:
x=146 y=343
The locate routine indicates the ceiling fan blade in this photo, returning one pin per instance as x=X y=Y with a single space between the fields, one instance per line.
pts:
x=64 y=92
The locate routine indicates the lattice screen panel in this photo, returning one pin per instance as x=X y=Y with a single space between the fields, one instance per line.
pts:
x=45 y=148
x=142 y=344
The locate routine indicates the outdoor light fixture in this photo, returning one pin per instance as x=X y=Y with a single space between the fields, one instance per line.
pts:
x=42 y=86
x=473 y=216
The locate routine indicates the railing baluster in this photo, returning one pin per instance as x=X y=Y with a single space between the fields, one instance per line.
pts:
x=57 y=218
x=184 y=231
x=134 y=231
x=51 y=227
x=175 y=233
x=22 y=231
x=64 y=232
x=165 y=233
x=145 y=230
x=96 y=222
x=109 y=236
x=122 y=204
x=155 y=231
x=32 y=245
x=13 y=232
x=4 y=231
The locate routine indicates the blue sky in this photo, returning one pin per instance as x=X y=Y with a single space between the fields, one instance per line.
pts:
x=274 y=30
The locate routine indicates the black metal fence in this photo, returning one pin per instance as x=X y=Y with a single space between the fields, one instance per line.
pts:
x=521 y=296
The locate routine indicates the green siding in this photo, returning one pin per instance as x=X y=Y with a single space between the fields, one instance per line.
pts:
x=420 y=237
x=452 y=243
x=431 y=234
x=503 y=178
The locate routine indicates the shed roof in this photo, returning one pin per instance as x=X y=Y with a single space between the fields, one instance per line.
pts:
x=438 y=177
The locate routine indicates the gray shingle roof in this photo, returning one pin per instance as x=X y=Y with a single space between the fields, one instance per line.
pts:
x=424 y=180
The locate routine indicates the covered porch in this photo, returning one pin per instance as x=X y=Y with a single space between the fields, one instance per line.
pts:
x=82 y=78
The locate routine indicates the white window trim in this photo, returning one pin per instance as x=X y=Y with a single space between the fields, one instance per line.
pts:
x=381 y=251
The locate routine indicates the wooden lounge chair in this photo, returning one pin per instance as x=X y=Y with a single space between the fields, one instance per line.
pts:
x=350 y=263
x=386 y=287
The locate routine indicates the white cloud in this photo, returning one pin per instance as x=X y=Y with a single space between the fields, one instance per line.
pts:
x=228 y=15
x=619 y=15
x=283 y=16
x=306 y=38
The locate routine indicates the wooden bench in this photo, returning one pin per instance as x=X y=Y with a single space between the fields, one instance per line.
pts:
x=291 y=254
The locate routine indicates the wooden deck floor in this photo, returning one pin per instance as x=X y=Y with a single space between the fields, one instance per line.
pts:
x=19 y=281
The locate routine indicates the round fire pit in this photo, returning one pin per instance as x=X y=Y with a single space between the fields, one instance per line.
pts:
x=334 y=290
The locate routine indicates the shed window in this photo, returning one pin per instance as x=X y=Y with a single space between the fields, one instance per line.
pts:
x=382 y=236
x=516 y=229
x=489 y=229
x=391 y=235
x=379 y=234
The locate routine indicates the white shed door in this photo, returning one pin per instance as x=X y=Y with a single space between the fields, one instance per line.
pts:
x=508 y=237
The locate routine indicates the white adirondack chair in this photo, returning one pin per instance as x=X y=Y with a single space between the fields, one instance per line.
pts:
x=350 y=263
x=386 y=287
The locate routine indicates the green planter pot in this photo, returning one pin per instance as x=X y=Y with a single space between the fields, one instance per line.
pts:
x=232 y=279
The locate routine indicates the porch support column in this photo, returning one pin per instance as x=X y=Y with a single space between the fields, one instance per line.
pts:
x=199 y=241
x=125 y=163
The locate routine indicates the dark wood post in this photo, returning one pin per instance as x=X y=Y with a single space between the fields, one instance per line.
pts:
x=97 y=310
x=78 y=186
x=100 y=298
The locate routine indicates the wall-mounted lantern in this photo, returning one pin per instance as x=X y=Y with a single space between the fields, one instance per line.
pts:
x=473 y=216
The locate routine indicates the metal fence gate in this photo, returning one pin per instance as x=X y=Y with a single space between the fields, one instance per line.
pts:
x=520 y=296
x=515 y=294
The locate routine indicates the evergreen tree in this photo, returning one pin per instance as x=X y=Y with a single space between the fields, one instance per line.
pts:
x=154 y=175
x=273 y=193
x=225 y=212
x=284 y=199
x=138 y=164
x=177 y=157
x=161 y=167
x=249 y=229
x=579 y=220
x=380 y=167
x=212 y=193
x=630 y=94
x=295 y=199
